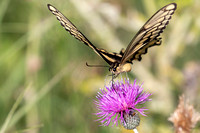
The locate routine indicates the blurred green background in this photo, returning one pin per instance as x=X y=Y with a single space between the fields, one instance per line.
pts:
x=45 y=86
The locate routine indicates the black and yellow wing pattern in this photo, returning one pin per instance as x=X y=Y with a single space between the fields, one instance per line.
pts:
x=148 y=36
x=71 y=28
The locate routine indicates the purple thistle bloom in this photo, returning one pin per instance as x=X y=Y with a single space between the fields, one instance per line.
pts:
x=118 y=100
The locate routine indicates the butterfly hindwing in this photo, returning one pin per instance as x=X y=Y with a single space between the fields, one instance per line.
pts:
x=138 y=55
x=149 y=34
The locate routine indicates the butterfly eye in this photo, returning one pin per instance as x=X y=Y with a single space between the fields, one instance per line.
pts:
x=114 y=69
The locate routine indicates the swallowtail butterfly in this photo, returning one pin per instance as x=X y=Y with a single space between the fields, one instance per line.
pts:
x=147 y=36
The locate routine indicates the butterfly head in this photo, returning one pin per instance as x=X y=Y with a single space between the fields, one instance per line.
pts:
x=120 y=68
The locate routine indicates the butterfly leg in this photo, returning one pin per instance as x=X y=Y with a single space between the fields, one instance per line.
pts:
x=106 y=80
x=127 y=76
x=112 y=79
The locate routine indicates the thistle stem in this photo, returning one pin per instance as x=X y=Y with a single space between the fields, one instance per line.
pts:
x=135 y=130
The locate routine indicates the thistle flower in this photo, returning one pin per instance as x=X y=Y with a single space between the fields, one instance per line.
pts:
x=120 y=101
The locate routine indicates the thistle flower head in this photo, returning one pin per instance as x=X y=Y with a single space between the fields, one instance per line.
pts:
x=120 y=101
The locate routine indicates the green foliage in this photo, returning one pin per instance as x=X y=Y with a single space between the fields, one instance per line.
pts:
x=45 y=85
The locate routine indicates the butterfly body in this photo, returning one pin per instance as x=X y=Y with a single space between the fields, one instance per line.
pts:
x=120 y=68
x=147 y=36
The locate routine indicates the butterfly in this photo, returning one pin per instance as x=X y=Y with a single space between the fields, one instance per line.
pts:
x=147 y=36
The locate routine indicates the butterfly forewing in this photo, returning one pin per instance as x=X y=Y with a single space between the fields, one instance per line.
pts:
x=149 y=34
x=110 y=58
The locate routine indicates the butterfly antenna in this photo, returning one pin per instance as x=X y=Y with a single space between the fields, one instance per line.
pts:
x=95 y=65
